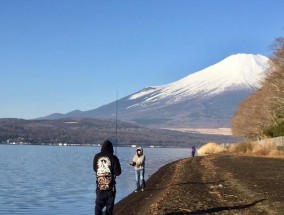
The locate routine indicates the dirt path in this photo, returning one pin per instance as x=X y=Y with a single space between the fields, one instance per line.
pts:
x=211 y=185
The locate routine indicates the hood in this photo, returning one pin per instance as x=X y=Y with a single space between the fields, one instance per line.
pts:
x=107 y=147
x=141 y=149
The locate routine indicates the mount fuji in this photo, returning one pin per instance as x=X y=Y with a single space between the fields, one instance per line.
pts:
x=204 y=99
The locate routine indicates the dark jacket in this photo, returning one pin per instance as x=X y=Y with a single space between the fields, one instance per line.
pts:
x=106 y=161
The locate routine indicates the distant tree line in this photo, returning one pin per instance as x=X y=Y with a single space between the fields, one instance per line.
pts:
x=95 y=131
x=262 y=113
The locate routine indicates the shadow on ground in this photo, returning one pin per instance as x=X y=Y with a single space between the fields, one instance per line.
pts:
x=217 y=209
x=187 y=183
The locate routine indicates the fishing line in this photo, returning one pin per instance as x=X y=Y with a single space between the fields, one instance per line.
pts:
x=116 y=122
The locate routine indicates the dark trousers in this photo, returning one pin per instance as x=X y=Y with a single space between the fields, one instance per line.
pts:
x=105 y=198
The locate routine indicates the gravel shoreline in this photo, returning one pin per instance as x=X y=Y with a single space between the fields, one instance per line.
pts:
x=215 y=184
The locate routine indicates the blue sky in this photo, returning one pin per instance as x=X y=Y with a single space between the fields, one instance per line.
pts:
x=57 y=56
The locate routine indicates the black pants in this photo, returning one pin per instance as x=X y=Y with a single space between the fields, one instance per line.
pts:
x=105 y=198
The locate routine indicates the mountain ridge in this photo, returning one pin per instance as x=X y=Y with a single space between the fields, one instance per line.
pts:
x=87 y=131
x=207 y=98
x=189 y=83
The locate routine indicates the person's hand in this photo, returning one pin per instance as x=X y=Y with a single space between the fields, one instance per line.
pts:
x=132 y=163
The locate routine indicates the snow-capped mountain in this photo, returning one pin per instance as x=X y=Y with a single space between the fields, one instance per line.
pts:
x=207 y=98
x=237 y=71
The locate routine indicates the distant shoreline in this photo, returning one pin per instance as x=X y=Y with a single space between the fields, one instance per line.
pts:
x=84 y=145
x=216 y=131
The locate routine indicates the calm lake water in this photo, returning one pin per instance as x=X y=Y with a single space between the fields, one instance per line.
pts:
x=60 y=180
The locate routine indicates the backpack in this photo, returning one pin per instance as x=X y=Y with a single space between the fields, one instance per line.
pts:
x=104 y=175
x=104 y=182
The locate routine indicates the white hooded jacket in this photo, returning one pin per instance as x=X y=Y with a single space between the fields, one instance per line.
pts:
x=139 y=160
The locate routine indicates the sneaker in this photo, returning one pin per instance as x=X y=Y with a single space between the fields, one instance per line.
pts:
x=136 y=191
x=142 y=189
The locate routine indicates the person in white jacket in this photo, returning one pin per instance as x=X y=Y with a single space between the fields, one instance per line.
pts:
x=138 y=162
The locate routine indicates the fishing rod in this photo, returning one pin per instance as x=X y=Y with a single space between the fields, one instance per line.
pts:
x=116 y=122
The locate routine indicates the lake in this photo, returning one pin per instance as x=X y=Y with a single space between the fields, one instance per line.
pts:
x=60 y=180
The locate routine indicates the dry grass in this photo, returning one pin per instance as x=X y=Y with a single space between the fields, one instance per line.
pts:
x=210 y=148
x=254 y=149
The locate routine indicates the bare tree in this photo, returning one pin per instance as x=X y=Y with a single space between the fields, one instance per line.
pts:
x=262 y=113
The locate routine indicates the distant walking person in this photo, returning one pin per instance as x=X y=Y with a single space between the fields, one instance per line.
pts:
x=138 y=162
x=193 y=151
x=107 y=167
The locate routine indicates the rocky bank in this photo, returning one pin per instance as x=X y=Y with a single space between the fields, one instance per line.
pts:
x=215 y=184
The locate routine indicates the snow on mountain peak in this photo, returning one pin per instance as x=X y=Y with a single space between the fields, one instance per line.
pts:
x=239 y=69
x=235 y=71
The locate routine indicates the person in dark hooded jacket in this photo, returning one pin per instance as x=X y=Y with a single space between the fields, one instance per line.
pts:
x=107 y=167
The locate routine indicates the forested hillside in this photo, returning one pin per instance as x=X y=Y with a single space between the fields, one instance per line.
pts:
x=95 y=131
x=262 y=113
